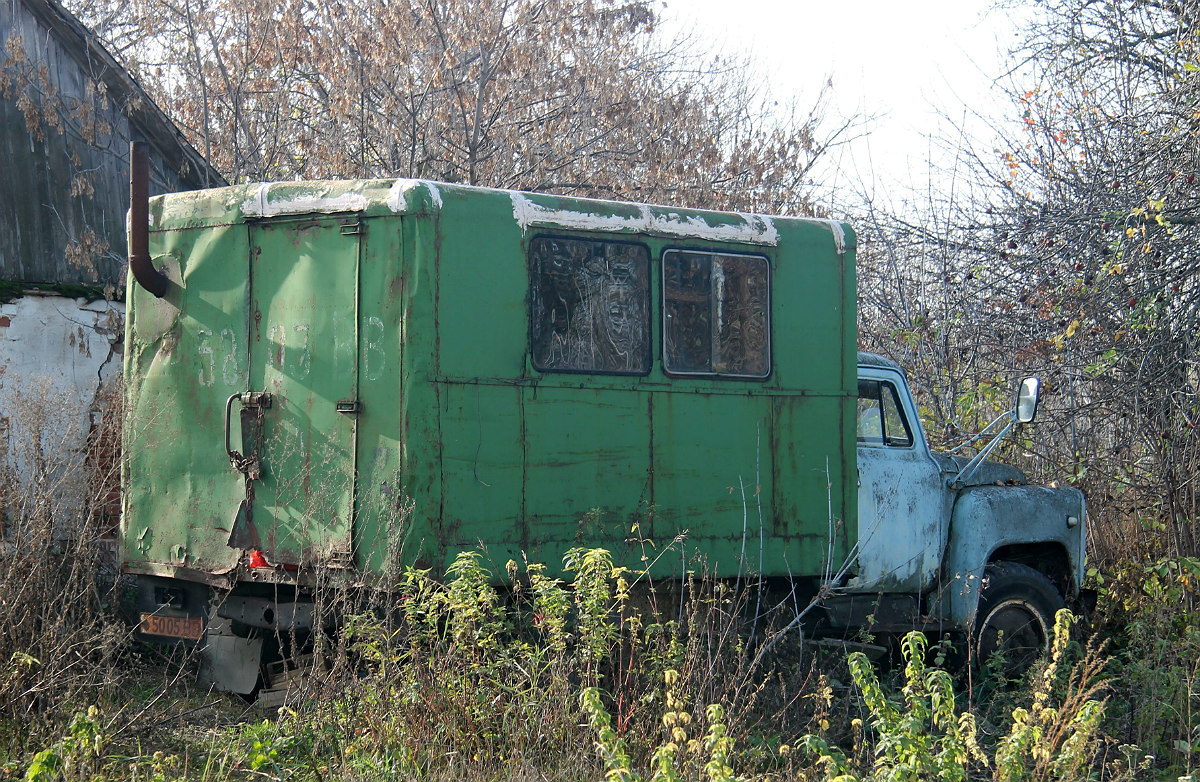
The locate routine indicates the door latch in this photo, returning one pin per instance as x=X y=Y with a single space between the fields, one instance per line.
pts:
x=253 y=404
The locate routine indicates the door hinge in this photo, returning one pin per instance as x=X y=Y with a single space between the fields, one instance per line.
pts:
x=256 y=399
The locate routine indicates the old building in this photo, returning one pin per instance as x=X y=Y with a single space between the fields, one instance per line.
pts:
x=68 y=112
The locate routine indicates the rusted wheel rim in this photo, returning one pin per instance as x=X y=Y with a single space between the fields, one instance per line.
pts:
x=1015 y=629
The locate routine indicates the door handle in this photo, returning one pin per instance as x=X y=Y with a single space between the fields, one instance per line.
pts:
x=234 y=456
x=259 y=400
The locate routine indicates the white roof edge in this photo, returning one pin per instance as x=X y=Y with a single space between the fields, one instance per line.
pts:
x=839 y=235
x=755 y=229
x=259 y=204
x=401 y=187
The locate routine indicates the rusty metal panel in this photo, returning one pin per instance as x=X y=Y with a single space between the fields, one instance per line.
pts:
x=987 y=518
x=461 y=434
x=482 y=471
x=903 y=503
x=808 y=481
x=712 y=474
x=587 y=468
x=303 y=353
x=185 y=354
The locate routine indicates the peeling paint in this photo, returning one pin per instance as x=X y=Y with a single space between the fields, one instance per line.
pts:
x=195 y=207
x=435 y=194
x=902 y=500
x=397 y=198
x=57 y=356
x=839 y=236
x=297 y=201
x=986 y=518
x=752 y=228
x=400 y=196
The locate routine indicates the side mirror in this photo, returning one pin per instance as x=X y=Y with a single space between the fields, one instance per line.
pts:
x=1027 y=399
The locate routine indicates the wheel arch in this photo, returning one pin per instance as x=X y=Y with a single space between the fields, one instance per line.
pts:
x=1015 y=616
x=1036 y=526
x=1050 y=558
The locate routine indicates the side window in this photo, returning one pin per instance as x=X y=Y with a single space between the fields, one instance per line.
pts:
x=589 y=304
x=716 y=314
x=870 y=419
x=881 y=420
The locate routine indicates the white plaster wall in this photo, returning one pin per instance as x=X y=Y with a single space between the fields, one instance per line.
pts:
x=72 y=343
x=56 y=354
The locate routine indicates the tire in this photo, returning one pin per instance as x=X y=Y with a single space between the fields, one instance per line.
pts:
x=1015 y=618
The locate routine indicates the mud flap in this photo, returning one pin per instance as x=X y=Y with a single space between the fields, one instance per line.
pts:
x=242 y=533
x=230 y=662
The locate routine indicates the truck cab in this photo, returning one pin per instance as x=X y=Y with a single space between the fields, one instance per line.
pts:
x=948 y=541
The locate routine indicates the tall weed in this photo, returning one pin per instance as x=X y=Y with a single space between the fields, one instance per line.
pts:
x=457 y=674
x=59 y=634
x=1150 y=611
x=923 y=734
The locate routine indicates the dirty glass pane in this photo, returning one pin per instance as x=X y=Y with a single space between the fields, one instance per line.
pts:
x=589 y=306
x=870 y=422
x=715 y=314
x=880 y=418
x=894 y=426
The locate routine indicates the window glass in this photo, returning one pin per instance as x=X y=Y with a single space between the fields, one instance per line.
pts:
x=716 y=310
x=881 y=419
x=870 y=422
x=589 y=306
x=895 y=427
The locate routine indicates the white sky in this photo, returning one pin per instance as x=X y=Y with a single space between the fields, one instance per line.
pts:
x=903 y=62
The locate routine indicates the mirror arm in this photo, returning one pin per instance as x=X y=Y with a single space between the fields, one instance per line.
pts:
x=982 y=432
x=970 y=468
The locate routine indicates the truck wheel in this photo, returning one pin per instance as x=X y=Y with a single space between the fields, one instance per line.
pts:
x=1015 y=617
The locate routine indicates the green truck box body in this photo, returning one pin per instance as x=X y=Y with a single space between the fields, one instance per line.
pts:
x=416 y=406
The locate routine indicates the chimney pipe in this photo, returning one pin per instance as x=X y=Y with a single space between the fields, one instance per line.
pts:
x=139 y=222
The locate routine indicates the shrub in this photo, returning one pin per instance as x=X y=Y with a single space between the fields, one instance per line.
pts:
x=924 y=736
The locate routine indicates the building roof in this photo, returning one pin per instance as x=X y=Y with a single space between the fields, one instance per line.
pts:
x=144 y=114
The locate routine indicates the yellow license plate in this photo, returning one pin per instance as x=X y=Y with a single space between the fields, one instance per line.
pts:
x=189 y=628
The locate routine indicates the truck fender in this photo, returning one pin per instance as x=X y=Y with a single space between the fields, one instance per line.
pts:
x=994 y=522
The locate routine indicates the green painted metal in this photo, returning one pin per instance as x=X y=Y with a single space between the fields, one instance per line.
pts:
x=304 y=332
x=409 y=305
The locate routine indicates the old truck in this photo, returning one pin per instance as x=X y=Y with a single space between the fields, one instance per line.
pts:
x=335 y=376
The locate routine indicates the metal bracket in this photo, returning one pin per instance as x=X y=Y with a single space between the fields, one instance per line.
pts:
x=256 y=399
x=248 y=465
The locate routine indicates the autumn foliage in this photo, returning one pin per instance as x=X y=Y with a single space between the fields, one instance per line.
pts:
x=1066 y=246
x=567 y=96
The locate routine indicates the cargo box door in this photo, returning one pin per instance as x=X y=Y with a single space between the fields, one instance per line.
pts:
x=304 y=361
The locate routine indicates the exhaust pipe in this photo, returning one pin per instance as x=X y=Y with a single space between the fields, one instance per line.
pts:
x=139 y=222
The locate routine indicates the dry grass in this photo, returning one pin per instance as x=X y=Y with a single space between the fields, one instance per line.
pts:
x=59 y=633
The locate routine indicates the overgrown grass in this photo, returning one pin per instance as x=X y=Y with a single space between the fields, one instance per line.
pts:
x=606 y=676
x=1149 y=612
x=60 y=638
x=456 y=679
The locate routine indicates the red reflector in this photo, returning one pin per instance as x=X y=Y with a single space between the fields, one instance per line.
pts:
x=257 y=559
